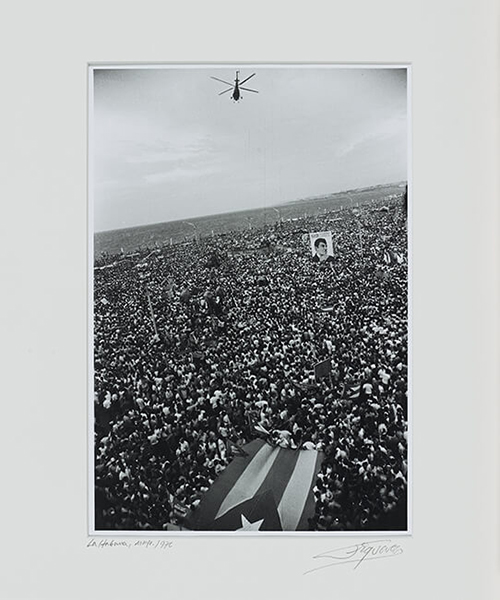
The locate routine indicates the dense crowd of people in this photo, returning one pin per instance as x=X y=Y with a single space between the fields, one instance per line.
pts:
x=201 y=347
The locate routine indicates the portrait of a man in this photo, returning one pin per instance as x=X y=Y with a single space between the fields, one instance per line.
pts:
x=322 y=246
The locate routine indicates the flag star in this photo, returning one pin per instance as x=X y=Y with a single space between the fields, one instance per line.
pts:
x=247 y=526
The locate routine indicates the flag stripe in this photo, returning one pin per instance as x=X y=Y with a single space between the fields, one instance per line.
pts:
x=278 y=477
x=310 y=505
x=294 y=498
x=250 y=480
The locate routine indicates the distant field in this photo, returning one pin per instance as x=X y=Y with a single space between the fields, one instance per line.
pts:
x=112 y=242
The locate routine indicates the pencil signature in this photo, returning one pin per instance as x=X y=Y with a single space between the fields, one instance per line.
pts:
x=357 y=554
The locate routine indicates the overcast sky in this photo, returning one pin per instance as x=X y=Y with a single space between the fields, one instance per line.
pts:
x=166 y=146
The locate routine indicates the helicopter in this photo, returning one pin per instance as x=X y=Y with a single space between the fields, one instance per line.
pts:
x=236 y=87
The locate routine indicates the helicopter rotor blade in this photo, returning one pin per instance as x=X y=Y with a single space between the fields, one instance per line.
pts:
x=247 y=78
x=225 y=91
x=221 y=80
x=248 y=90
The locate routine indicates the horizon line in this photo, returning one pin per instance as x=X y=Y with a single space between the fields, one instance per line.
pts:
x=271 y=206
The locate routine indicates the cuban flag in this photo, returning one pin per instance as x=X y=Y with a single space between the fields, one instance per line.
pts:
x=269 y=489
x=353 y=392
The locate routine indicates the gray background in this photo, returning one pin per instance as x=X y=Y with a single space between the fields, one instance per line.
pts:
x=453 y=49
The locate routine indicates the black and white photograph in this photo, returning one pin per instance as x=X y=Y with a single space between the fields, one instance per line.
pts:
x=249 y=353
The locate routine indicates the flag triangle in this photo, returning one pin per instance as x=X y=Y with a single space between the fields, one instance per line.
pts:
x=259 y=511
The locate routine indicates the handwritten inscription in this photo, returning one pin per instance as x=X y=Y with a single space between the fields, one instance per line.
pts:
x=356 y=554
x=148 y=544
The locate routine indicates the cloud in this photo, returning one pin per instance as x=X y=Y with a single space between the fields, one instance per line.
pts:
x=165 y=156
x=378 y=132
x=112 y=184
x=180 y=148
x=178 y=174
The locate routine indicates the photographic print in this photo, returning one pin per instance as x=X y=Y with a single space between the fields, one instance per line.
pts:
x=249 y=299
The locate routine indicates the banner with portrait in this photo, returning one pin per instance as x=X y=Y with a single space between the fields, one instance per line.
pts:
x=321 y=246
